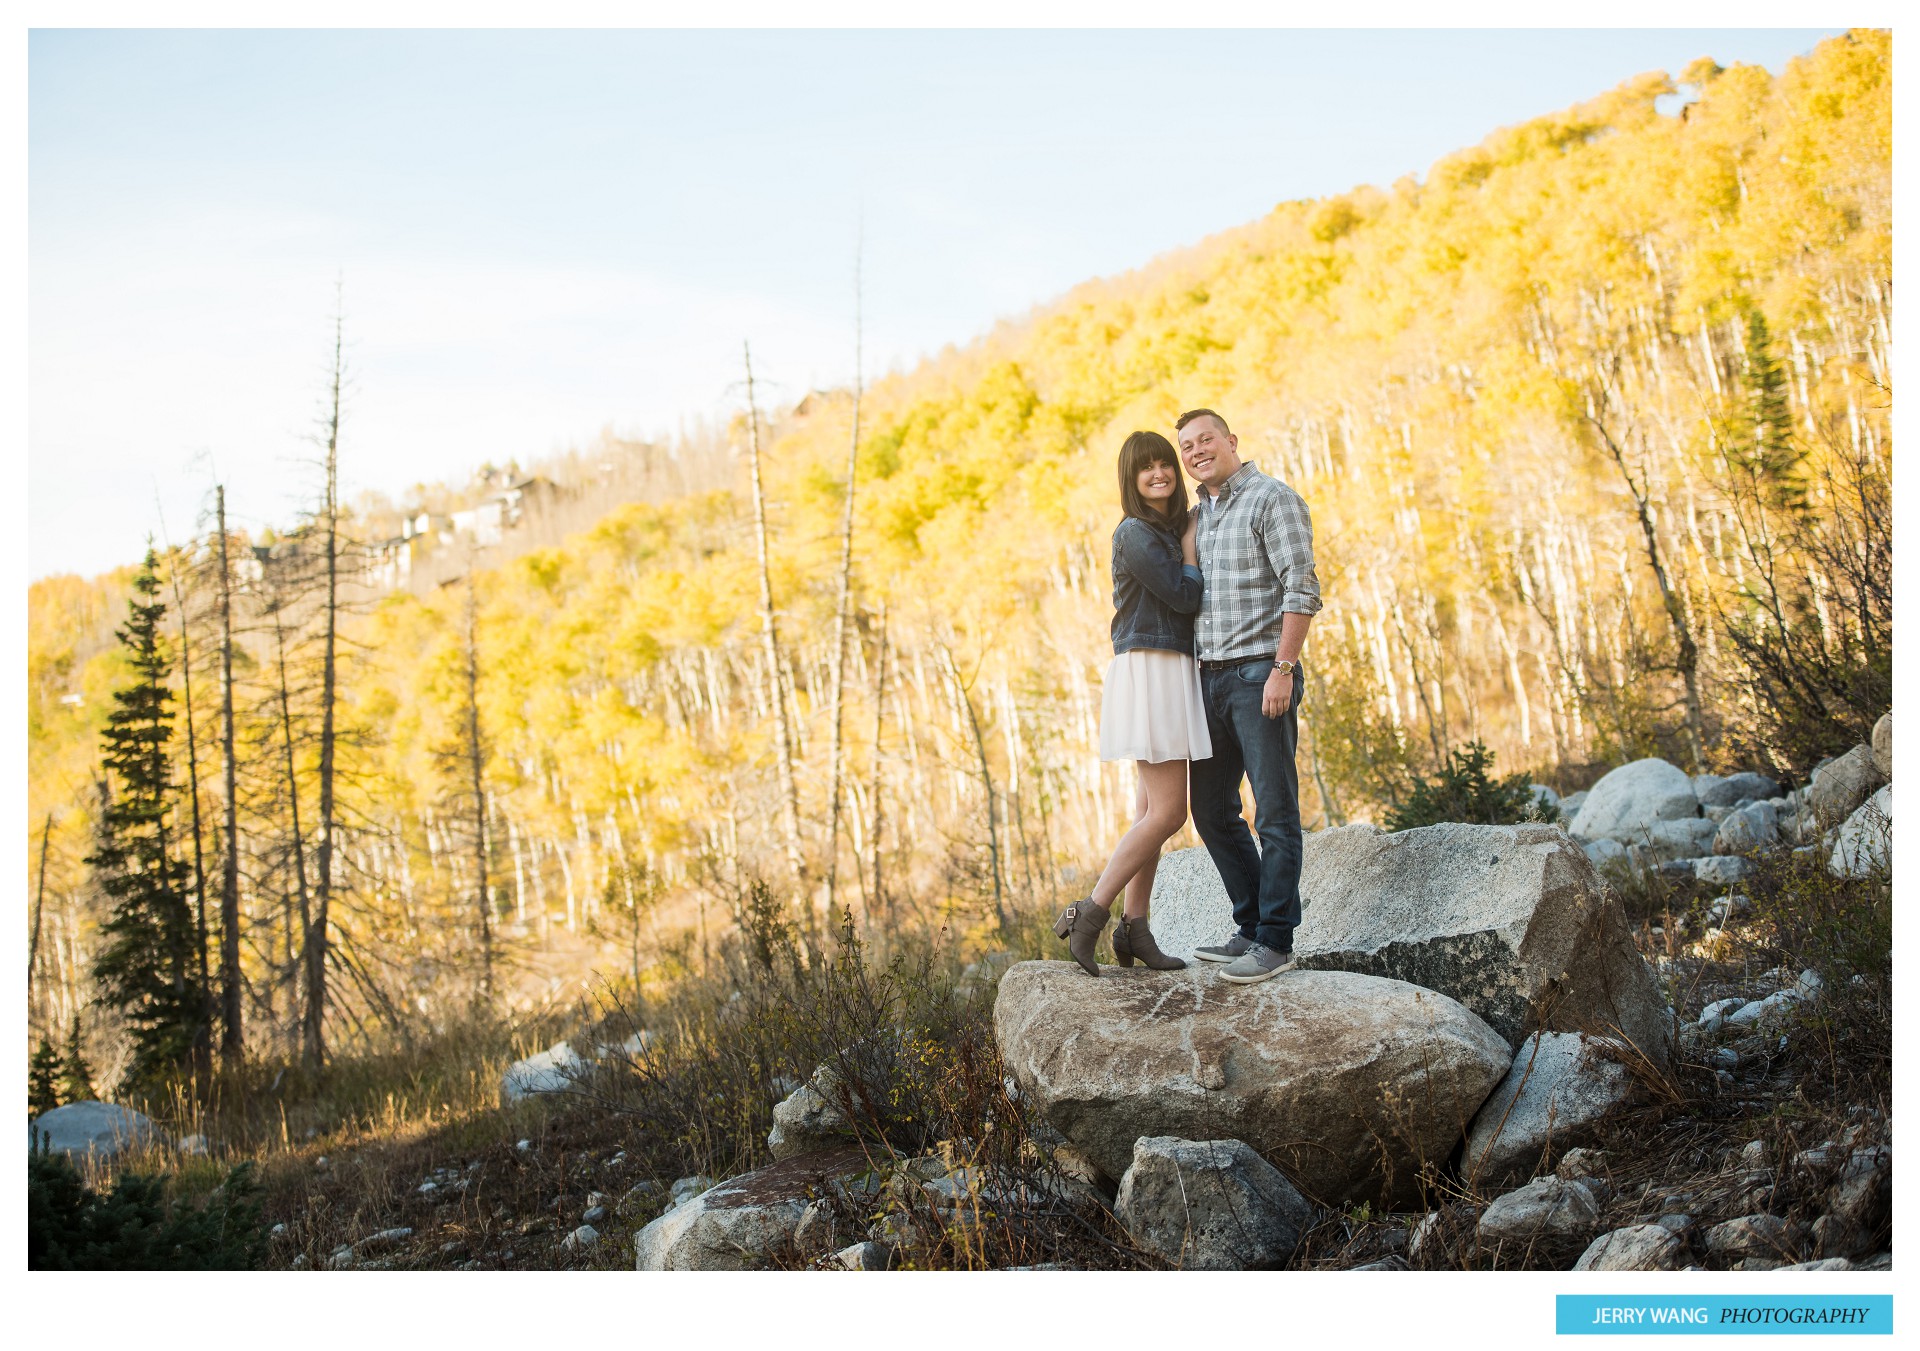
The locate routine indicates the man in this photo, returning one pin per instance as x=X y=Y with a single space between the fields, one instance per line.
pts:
x=1255 y=543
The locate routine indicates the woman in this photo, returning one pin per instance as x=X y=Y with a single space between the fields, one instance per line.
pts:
x=1152 y=712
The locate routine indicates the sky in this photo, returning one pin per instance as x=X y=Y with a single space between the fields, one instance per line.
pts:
x=537 y=235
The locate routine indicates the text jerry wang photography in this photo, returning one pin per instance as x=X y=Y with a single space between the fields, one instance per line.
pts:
x=881 y=676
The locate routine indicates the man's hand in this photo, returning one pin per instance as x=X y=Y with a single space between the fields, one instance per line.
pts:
x=1189 y=540
x=1277 y=697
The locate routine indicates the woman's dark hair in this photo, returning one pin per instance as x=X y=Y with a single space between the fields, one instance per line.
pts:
x=1140 y=451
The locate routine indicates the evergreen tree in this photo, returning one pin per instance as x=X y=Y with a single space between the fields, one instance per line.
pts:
x=77 y=1075
x=43 y=1080
x=1769 y=456
x=147 y=968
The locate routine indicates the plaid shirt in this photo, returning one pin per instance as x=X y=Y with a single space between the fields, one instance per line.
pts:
x=1256 y=554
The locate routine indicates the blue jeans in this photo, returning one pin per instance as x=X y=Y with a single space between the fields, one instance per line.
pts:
x=1264 y=884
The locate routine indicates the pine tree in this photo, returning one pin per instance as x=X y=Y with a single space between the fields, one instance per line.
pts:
x=43 y=1079
x=76 y=1074
x=1768 y=454
x=147 y=967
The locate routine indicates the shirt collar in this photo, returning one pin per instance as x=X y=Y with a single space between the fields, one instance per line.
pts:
x=1231 y=486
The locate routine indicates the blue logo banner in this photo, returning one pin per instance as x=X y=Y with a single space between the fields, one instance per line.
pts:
x=1718 y=1315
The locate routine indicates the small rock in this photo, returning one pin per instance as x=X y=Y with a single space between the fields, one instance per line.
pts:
x=277 y=1231
x=1767 y=1237
x=1724 y=1058
x=1882 y=743
x=1578 y=1163
x=299 y=1262
x=523 y=1146
x=1722 y=870
x=594 y=1215
x=583 y=1237
x=1639 y=1247
x=1734 y=789
x=1754 y=1154
x=815 y=1232
x=1547 y=1207
x=1676 y=1224
x=684 y=1187
x=1823 y=1264
x=867 y=1256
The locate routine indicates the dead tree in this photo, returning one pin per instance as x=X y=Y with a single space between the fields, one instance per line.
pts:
x=770 y=646
x=1688 y=659
x=475 y=757
x=879 y=725
x=843 y=615
x=39 y=905
x=964 y=689
x=232 y=1041
x=313 y=1041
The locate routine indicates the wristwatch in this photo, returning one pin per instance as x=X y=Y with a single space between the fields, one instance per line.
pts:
x=1286 y=667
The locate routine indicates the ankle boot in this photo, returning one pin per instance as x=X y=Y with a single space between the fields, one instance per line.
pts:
x=1131 y=939
x=1080 y=924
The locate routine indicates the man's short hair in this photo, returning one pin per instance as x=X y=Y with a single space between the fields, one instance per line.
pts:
x=1185 y=418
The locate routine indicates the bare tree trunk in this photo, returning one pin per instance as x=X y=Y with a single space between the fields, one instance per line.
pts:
x=986 y=780
x=843 y=614
x=879 y=725
x=293 y=789
x=313 y=1041
x=203 y=1031
x=770 y=643
x=1689 y=654
x=39 y=905
x=232 y=1042
x=475 y=758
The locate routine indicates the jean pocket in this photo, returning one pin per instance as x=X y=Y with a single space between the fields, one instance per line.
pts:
x=1253 y=673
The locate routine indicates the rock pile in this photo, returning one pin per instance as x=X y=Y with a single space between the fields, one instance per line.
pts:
x=1649 y=815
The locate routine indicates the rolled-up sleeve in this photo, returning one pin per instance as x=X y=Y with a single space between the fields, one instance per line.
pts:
x=1287 y=535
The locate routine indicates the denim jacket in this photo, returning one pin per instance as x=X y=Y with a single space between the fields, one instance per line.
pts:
x=1155 y=595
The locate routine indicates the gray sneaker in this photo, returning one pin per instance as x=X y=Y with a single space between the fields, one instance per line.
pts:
x=1224 y=952
x=1256 y=964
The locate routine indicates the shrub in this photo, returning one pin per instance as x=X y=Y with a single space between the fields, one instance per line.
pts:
x=133 y=1227
x=1465 y=792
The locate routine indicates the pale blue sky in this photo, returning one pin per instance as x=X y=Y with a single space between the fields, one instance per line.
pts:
x=545 y=233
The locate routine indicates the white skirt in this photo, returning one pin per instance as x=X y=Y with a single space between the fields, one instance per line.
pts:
x=1152 y=709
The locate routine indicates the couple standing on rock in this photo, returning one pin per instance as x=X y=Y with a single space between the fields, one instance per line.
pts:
x=1211 y=608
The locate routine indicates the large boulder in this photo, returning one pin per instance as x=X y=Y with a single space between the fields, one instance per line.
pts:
x=1351 y=1084
x=1512 y=921
x=1210 y=1205
x=554 y=1070
x=1559 y=1087
x=1627 y=801
x=738 y=1224
x=1842 y=786
x=1882 y=743
x=100 y=1129
x=1864 y=843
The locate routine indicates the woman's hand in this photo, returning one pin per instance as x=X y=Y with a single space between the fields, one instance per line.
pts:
x=1188 y=551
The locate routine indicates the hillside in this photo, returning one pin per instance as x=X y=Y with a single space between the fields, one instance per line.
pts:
x=1595 y=426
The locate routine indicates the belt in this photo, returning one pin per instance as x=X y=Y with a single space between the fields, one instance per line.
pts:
x=1233 y=662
